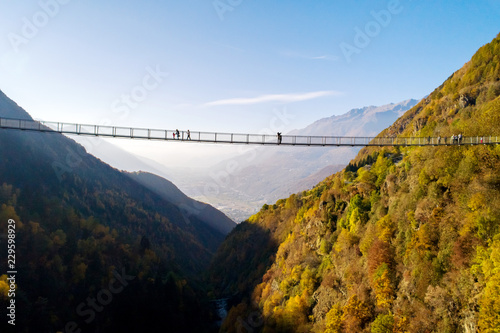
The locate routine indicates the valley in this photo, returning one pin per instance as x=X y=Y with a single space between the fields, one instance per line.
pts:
x=232 y=167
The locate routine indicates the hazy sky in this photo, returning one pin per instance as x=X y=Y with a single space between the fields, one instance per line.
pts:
x=230 y=65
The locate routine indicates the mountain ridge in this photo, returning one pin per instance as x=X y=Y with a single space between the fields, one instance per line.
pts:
x=368 y=114
x=188 y=206
x=79 y=222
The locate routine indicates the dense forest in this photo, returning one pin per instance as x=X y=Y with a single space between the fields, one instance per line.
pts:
x=96 y=251
x=403 y=240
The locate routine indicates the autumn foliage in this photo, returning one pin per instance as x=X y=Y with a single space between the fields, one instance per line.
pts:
x=404 y=239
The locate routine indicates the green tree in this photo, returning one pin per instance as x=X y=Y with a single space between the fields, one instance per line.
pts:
x=383 y=324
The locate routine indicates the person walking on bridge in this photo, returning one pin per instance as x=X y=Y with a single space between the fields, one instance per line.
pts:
x=279 y=138
x=188 y=135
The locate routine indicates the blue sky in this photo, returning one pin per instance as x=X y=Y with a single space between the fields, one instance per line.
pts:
x=230 y=65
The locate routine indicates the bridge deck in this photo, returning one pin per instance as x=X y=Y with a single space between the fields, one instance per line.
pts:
x=232 y=138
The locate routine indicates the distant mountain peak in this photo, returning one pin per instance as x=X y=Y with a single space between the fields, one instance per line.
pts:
x=366 y=121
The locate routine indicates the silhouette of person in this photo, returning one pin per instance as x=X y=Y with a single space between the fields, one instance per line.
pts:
x=178 y=134
x=189 y=135
x=279 y=138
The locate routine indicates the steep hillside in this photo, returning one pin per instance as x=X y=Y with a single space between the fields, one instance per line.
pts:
x=79 y=223
x=204 y=212
x=403 y=240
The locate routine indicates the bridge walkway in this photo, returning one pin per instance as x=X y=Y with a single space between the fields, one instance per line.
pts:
x=234 y=138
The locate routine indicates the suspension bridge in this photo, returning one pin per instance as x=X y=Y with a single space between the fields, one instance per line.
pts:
x=233 y=138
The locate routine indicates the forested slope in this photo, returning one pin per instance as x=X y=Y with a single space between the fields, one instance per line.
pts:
x=79 y=223
x=189 y=207
x=403 y=240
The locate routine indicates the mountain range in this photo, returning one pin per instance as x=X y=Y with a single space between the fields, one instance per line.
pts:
x=266 y=174
x=367 y=121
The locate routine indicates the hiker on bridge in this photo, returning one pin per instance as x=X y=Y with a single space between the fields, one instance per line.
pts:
x=279 y=138
x=178 y=134
x=460 y=138
x=189 y=135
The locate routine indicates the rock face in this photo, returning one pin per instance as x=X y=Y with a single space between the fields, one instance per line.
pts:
x=465 y=101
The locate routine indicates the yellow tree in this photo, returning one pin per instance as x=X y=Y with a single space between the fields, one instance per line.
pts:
x=4 y=286
x=488 y=267
x=356 y=313
x=334 y=320
x=383 y=287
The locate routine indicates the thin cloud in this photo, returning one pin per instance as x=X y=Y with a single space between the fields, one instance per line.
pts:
x=298 y=55
x=326 y=57
x=280 y=98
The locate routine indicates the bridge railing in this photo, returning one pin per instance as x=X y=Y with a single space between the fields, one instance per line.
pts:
x=237 y=138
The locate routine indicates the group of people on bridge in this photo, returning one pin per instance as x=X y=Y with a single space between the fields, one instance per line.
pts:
x=177 y=135
x=455 y=139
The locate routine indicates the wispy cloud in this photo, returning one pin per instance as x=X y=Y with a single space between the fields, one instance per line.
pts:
x=325 y=57
x=298 y=55
x=280 y=98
